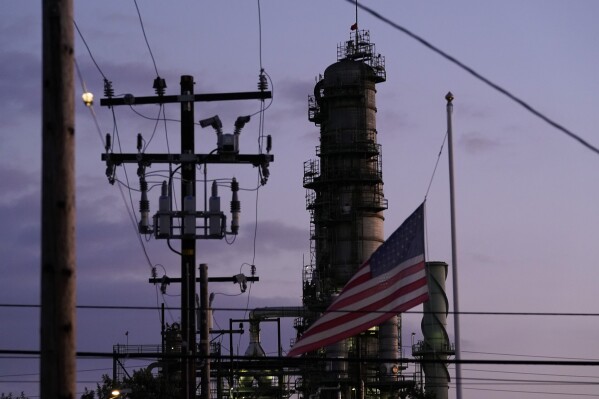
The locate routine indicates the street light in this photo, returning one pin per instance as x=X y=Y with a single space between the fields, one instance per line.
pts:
x=117 y=393
x=88 y=98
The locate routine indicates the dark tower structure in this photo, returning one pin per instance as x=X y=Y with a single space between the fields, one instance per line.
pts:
x=345 y=199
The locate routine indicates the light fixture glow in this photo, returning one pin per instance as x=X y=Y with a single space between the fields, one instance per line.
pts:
x=88 y=98
x=116 y=393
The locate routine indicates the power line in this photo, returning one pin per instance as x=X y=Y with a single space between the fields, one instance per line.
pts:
x=529 y=373
x=141 y=307
x=143 y=30
x=523 y=355
x=89 y=51
x=534 y=392
x=516 y=381
x=295 y=361
x=478 y=76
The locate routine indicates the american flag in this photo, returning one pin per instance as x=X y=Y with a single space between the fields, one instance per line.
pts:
x=391 y=281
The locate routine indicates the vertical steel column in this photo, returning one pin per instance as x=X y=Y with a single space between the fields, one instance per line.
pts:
x=188 y=247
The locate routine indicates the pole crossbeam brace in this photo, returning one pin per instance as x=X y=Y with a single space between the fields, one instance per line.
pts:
x=132 y=100
x=148 y=159
x=210 y=280
x=227 y=331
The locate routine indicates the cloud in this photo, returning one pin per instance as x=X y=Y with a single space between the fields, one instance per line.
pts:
x=20 y=88
x=275 y=237
x=20 y=214
x=295 y=92
x=476 y=143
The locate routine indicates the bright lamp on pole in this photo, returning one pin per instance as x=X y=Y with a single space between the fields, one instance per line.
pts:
x=88 y=98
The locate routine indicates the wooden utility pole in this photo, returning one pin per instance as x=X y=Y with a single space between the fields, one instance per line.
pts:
x=58 y=352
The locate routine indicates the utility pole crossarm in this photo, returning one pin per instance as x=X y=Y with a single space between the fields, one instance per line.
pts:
x=129 y=99
x=148 y=159
x=158 y=280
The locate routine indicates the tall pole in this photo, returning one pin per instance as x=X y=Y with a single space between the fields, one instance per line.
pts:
x=454 y=252
x=58 y=352
x=204 y=332
x=188 y=244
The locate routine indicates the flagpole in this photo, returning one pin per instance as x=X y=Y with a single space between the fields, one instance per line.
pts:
x=356 y=25
x=454 y=253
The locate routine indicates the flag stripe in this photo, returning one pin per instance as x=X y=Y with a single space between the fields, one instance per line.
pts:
x=377 y=304
x=376 y=284
x=372 y=302
x=361 y=276
x=318 y=341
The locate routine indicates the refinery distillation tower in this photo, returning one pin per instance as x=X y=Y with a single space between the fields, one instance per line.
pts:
x=346 y=203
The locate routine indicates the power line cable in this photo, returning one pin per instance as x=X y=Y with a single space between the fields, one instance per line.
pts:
x=151 y=118
x=516 y=381
x=89 y=51
x=143 y=30
x=89 y=106
x=525 y=314
x=154 y=130
x=563 y=394
x=529 y=373
x=523 y=355
x=478 y=76
x=260 y=34
x=294 y=361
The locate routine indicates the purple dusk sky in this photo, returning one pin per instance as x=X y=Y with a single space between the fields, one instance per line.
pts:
x=526 y=193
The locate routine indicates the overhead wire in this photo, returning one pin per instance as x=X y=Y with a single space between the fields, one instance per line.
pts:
x=89 y=106
x=115 y=130
x=261 y=179
x=131 y=212
x=492 y=313
x=31 y=354
x=562 y=394
x=477 y=75
x=495 y=371
x=143 y=30
x=157 y=120
x=528 y=356
x=89 y=51
x=469 y=381
x=126 y=184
